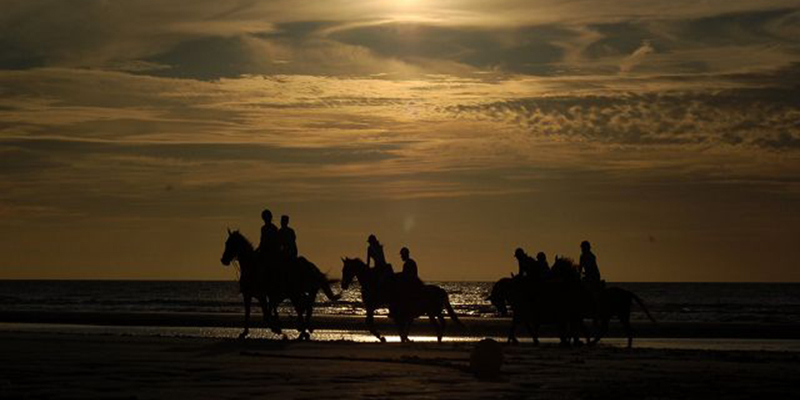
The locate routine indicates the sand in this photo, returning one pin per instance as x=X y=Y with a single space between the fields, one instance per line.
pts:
x=68 y=366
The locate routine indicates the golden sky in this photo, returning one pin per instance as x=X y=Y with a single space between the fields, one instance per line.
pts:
x=133 y=133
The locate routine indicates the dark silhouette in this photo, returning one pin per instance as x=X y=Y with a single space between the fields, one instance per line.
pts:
x=544 y=266
x=287 y=240
x=527 y=265
x=533 y=303
x=410 y=271
x=298 y=281
x=588 y=264
x=269 y=245
x=403 y=307
x=375 y=254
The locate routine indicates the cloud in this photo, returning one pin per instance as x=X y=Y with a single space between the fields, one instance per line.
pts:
x=636 y=58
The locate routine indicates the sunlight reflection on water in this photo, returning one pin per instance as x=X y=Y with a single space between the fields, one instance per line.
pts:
x=364 y=337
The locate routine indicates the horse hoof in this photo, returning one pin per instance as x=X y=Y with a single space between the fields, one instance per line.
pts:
x=284 y=337
x=242 y=335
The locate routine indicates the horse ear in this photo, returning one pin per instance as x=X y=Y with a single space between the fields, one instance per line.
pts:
x=512 y=275
x=229 y=231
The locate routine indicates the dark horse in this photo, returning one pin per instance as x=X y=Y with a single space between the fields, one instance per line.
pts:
x=533 y=303
x=378 y=292
x=270 y=285
x=606 y=304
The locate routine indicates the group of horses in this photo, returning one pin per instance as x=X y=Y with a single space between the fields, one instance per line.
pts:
x=565 y=302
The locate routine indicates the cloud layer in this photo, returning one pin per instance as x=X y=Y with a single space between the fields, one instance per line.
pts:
x=206 y=110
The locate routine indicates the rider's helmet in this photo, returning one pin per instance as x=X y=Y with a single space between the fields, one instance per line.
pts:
x=585 y=245
x=541 y=256
x=372 y=239
x=266 y=215
x=519 y=252
x=404 y=252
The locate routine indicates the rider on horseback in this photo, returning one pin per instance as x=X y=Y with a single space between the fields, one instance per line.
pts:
x=527 y=265
x=287 y=240
x=590 y=273
x=269 y=246
x=544 y=267
x=410 y=273
x=375 y=253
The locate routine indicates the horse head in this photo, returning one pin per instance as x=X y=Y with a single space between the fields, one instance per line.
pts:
x=235 y=245
x=499 y=295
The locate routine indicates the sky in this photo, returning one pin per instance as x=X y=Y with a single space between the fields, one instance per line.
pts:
x=134 y=133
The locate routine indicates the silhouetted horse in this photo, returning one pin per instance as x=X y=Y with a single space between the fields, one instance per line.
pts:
x=534 y=303
x=616 y=302
x=270 y=285
x=378 y=292
x=610 y=302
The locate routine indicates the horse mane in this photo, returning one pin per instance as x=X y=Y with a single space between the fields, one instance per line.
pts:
x=239 y=236
x=566 y=261
x=360 y=261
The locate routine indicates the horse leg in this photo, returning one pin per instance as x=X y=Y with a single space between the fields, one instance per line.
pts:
x=436 y=326
x=588 y=333
x=512 y=332
x=533 y=329
x=578 y=328
x=603 y=328
x=266 y=310
x=309 y=311
x=625 y=319
x=371 y=324
x=276 y=319
x=247 y=302
x=299 y=308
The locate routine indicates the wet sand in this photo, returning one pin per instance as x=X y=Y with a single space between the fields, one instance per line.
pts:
x=66 y=366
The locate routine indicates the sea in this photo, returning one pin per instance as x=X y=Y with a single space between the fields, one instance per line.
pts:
x=756 y=303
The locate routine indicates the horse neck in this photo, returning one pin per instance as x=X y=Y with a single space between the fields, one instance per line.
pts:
x=247 y=257
x=362 y=273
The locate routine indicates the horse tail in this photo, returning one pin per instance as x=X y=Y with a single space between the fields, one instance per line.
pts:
x=641 y=304
x=319 y=279
x=450 y=310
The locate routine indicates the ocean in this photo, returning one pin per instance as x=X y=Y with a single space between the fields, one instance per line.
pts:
x=774 y=303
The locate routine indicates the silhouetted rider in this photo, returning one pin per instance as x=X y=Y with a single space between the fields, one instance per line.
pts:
x=527 y=265
x=375 y=253
x=287 y=239
x=588 y=265
x=269 y=246
x=410 y=284
x=543 y=266
x=409 y=265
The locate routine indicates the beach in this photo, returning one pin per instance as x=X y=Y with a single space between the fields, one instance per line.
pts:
x=70 y=366
x=136 y=341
